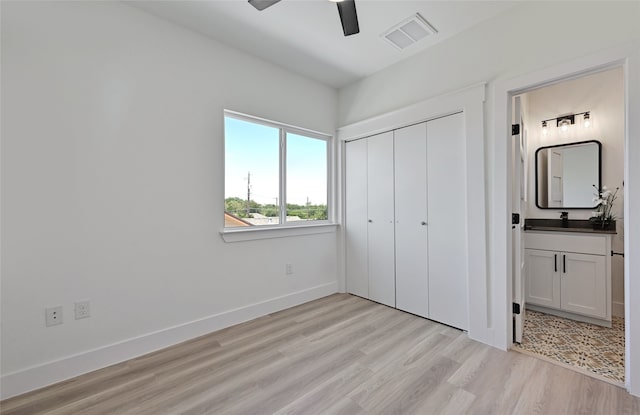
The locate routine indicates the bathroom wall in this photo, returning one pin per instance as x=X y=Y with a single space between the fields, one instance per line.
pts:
x=603 y=95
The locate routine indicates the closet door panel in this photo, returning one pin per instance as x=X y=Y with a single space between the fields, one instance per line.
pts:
x=412 y=283
x=357 y=266
x=380 y=218
x=447 y=205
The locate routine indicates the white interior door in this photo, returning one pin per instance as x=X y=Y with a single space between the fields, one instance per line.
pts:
x=517 y=207
x=447 y=224
x=412 y=278
x=380 y=226
x=357 y=266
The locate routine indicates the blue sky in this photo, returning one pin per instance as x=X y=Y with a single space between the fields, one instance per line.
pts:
x=254 y=148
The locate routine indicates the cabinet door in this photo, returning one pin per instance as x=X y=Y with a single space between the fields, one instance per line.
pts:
x=381 y=219
x=412 y=284
x=356 y=218
x=447 y=222
x=542 y=277
x=583 y=285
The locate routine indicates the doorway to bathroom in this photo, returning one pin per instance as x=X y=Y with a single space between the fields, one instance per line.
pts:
x=567 y=166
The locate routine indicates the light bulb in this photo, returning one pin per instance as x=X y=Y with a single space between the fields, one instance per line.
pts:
x=545 y=130
x=587 y=120
x=564 y=124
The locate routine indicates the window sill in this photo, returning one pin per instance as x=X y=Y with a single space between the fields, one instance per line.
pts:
x=245 y=234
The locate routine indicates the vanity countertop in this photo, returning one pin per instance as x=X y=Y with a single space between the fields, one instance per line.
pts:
x=556 y=225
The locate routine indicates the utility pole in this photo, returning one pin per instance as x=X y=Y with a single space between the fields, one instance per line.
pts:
x=248 y=193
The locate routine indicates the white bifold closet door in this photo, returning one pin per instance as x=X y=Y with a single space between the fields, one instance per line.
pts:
x=356 y=241
x=447 y=233
x=406 y=223
x=380 y=219
x=412 y=259
x=369 y=219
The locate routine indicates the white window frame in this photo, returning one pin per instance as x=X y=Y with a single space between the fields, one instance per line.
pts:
x=284 y=228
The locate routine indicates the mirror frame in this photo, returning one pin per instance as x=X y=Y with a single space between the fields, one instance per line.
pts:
x=566 y=145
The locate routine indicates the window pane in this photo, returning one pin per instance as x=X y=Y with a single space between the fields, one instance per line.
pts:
x=306 y=178
x=252 y=160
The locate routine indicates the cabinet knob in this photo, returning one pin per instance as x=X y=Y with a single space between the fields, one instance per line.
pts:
x=423 y=223
x=370 y=221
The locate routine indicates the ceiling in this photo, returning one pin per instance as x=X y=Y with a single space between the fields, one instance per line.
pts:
x=305 y=36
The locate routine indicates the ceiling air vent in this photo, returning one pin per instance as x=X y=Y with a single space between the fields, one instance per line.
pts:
x=409 y=31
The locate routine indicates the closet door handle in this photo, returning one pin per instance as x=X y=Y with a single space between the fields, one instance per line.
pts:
x=555 y=262
x=423 y=223
x=370 y=221
x=564 y=263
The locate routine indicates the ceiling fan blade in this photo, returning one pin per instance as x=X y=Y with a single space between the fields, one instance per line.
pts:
x=348 y=17
x=262 y=4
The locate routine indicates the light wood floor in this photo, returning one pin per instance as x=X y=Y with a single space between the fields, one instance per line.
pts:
x=337 y=355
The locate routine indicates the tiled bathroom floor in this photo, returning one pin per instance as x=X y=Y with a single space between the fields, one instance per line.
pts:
x=597 y=349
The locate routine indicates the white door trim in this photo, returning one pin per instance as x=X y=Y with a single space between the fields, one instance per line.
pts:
x=627 y=57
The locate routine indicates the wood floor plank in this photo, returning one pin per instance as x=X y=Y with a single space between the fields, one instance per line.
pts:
x=402 y=341
x=281 y=320
x=470 y=368
x=337 y=355
x=344 y=406
x=516 y=380
x=444 y=398
x=316 y=402
x=532 y=398
x=216 y=381
x=412 y=391
x=406 y=369
x=459 y=402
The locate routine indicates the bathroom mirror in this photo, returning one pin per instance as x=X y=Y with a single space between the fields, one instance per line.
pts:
x=566 y=173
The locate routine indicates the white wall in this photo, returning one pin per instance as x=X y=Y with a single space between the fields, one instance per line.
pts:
x=602 y=94
x=112 y=186
x=528 y=38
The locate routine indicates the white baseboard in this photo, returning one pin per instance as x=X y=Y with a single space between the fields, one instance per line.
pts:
x=617 y=309
x=36 y=377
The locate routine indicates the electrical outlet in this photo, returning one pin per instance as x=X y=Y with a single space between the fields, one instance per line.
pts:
x=82 y=309
x=289 y=269
x=53 y=316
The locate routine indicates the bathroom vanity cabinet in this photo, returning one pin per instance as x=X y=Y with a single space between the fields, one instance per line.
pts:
x=569 y=274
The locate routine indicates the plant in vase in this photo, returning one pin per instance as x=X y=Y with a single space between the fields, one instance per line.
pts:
x=604 y=198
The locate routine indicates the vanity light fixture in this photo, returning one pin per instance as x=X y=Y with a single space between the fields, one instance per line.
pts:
x=565 y=121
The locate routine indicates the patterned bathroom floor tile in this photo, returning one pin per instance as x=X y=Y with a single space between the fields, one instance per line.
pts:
x=583 y=345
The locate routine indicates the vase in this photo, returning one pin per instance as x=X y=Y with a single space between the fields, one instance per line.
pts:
x=604 y=226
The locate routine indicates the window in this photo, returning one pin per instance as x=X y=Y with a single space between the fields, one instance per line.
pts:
x=275 y=175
